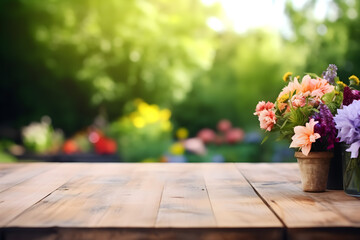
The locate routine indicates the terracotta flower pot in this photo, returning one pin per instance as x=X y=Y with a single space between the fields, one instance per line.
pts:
x=314 y=170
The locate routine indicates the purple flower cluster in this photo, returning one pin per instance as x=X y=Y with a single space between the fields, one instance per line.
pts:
x=330 y=74
x=325 y=126
x=348 y=123
x=350 y=95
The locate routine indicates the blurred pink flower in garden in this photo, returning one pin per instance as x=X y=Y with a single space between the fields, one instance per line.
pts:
x=267 y=119
x=195 y=145
x=304 y=137
x=224 y=125
x=234 y=135
x=206 y=135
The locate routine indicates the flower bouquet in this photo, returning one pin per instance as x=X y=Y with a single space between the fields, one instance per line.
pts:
x=348 y=125
x=303 y=112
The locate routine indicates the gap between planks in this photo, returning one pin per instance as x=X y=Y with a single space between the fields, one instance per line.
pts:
x=233 y=200
x=280 y=187
x=264 y=201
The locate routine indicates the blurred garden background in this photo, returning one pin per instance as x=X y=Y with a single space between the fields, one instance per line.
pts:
x=156 y=80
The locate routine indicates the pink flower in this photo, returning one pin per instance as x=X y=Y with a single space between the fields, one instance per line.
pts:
x=267 y=119
x=224 y=125
x=261 y=106
x=304 y=137
x=315 y=87
x=298 y=100
x=206 y=135
x=290 y=88
x=234 y=135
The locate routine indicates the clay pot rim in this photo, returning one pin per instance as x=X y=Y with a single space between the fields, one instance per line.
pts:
x=312 y=155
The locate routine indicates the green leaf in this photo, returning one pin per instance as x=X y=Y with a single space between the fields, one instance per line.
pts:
x=265 y=138
x=328 y=97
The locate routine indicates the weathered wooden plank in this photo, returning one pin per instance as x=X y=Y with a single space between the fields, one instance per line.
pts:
x=233 y=200
x=9 y=167
x=23 y=195
x=295 y=207
x=185 y=202
x=336 y=200
x=107 y=195
x=13 y=174
x=302 y=210
x=259 y=172
x=130 y=198
x=136 y=204
x=80 y=201
x=171 y=201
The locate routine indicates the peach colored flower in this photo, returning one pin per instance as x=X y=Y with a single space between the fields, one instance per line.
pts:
x=292 y=87
x=267 y=119
x=281 y=106
x=315 y=87
x=261 y=106
x=304 y=137
x=309 y=87
x=298 y=100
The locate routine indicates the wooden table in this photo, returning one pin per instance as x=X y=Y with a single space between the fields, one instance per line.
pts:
x=169 y=201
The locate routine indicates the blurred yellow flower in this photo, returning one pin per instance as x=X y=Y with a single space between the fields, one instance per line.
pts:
x=177 y=149
x=142 y=107
x=286 y=76
x=147 y=114
x=341 y=84
x=139 y=122
x=165 y=114
x=144 y=132
x=166 y=126
x=152 y=113
x=355 y=79
x=182 y=133
x=283 y=98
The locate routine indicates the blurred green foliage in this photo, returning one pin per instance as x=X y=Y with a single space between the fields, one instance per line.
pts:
x=4 y=155
x=142 y=134
x=40 y=137
x=71 y=60
x=66 y=59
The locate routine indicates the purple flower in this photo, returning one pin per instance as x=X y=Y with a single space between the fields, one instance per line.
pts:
x=330 y=74
x=348 y=124
x=350 y=95
x=325 y=126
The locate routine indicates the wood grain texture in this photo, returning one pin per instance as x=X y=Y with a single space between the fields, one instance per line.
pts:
x=15 y=200
x=137 y=203
x=13 y=174
x=168 y=201
x=185 y=202
x=301 y=211
x=79 y=201
x=295 y=207
x=234 y=201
